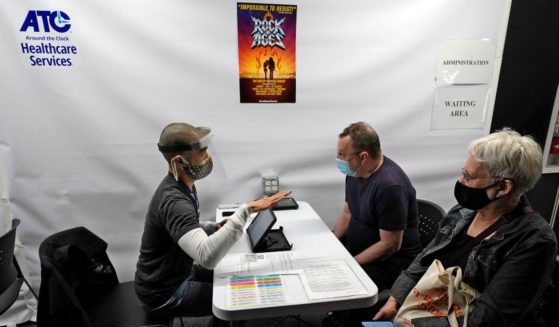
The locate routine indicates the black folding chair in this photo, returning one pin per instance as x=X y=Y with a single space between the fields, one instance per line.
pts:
x=79 y=286
x=429 y=216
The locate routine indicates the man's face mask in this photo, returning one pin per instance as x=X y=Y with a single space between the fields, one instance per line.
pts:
x=343 y=166
x=472 y=198
x=198 y=171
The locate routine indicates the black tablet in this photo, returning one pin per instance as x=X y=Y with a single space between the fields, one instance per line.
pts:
x=261 y=224
x=286 y=204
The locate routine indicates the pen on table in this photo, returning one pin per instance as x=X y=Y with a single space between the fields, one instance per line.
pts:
x=229 y=206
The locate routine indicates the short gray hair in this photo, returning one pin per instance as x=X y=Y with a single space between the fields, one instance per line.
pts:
x=507 y=154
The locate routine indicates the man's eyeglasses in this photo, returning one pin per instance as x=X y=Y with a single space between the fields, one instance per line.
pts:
x=350 y=155
x=467 y=177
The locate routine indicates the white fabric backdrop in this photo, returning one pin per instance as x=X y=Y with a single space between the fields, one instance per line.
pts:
x=78 y=146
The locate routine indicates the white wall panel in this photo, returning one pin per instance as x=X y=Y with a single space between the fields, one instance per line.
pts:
x=78 y=146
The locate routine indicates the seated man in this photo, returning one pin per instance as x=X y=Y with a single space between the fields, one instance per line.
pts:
x=379 y=220
x=170 y=276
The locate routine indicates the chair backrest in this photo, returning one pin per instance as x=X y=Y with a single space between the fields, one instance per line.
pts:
x=429 y=216
x=79 y=286
x=10 y=278
x=68 y=259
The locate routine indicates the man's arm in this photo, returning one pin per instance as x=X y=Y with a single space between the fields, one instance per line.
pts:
x=391 y=206
x=208 y=226
x=208 y=250
x=340 y=228
x=390 y=242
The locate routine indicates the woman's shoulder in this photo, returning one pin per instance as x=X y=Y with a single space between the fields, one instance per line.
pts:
x=535 y=224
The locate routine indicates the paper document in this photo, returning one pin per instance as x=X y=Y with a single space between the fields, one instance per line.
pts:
x=257 y=263
x=255 y=290
x=330 y=279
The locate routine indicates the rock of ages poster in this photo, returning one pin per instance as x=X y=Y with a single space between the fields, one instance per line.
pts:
x=266 y=36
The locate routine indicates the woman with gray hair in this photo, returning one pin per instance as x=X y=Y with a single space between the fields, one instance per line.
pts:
x=505 y=249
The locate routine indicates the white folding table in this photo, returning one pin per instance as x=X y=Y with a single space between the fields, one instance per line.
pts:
x=312 y=241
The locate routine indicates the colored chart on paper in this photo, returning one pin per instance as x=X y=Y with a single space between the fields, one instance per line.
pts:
x=255 y=290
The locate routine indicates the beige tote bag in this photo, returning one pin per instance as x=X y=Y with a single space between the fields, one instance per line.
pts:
x=439 y=293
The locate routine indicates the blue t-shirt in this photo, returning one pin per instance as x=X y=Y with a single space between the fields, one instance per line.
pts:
x=385 y=200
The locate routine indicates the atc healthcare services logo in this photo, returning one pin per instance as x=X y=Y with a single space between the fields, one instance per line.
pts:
x=57 y=20
x=46 y=41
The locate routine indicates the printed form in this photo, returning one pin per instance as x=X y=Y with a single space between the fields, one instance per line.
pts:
x=257 y=263
x=256 y=279
x=326 y=279
x=255 y=290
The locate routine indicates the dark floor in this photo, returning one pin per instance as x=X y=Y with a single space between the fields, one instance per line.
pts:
x=303 y=321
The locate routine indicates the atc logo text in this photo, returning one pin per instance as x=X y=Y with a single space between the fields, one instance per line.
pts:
x=57 y=20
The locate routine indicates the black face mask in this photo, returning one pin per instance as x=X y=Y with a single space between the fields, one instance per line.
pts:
x=472 y=198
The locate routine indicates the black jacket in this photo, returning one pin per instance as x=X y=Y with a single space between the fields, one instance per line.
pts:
x=75 y=270
x=511 y=269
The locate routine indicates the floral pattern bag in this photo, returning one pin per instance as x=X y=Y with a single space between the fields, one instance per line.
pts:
x=439 y=293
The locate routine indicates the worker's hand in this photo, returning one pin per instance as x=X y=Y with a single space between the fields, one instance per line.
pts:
x=266 y=202
x=220 y=224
